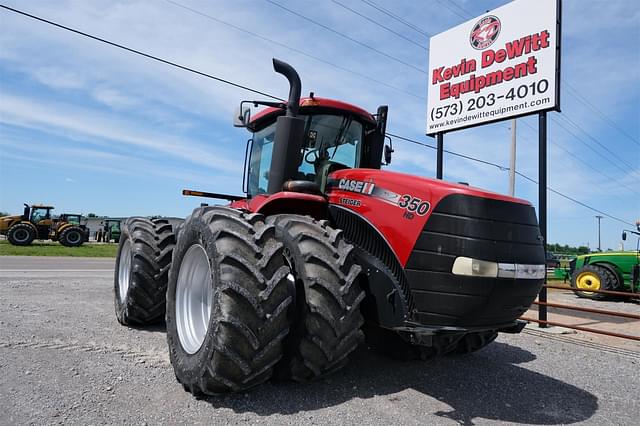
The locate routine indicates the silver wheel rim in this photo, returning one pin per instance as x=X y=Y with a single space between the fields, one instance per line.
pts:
x=124 y=270
x=21 y=235
x=73 y=237
x=194 y=298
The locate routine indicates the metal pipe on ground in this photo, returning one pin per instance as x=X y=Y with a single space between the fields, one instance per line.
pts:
x=591 y=310
x=587 y=329
x=611 y=292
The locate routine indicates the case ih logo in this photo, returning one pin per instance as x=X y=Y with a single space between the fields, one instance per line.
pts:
x=485 y=32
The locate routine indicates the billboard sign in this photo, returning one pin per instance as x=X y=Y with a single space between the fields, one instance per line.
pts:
x=503 y=64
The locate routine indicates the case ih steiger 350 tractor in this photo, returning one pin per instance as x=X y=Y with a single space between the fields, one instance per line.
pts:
x=324 y=251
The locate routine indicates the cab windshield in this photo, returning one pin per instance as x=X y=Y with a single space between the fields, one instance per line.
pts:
x=328 y=140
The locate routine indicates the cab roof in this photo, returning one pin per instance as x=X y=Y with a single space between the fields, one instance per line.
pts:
x=310 y=104
x=41 y=206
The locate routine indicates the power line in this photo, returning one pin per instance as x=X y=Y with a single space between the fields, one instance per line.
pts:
x=395 y=17
x=582 y=141
x=456 y=154
x=600 y=144
x=576 y=157
x=274 y=97
x=293 y=49
x=503 y=168
x=576 y=201
x=138 y=52
x=460 y=7
x=347 y=37
x=381 y=25
x=602 y=115
x=455 y=12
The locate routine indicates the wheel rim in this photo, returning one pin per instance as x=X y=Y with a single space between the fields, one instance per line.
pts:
x=73 y=237
x=21 y=235
x=588 y=281
x=194 y=298
x=124 y=270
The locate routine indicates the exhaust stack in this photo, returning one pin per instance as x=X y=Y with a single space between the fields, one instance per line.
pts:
x=287 y=145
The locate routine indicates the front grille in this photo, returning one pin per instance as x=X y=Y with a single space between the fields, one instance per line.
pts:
x=479 y=228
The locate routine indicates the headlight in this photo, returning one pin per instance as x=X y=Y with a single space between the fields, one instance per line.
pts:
x=481 y=268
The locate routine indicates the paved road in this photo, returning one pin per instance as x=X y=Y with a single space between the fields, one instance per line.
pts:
x=65 y=359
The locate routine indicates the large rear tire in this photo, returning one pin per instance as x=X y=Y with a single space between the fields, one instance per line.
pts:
x=327 y=322
x=21 y=234
x=72 y=236
x=142 y=269
x=227 y=301
x=593 y=277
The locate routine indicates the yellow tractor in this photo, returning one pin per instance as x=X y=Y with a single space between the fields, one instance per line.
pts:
x=37 y=222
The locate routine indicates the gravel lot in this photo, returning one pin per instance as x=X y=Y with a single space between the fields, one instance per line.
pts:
x=65 y=359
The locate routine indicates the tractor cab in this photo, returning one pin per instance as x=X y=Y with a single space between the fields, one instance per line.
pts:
x=37 y=213
x=298 y=143
x=40 y=217
x=335 y=135
x=74 y=219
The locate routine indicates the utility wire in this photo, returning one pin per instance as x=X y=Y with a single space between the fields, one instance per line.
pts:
x=455 y=12
x=395 y=17
x=456 y=154
x=575 y=201
x=293 y=49
x=600 y=144
x=274 y=97
x=138 y=52
x=422 y=46
x=582 y=141
x=595 y=169
x=347 y=37
x=503 y=168
x=601 y=114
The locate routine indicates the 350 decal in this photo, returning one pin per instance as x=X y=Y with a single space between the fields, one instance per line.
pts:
x=414 y=204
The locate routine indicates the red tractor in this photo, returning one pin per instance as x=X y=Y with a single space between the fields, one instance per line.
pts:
x=327 y=250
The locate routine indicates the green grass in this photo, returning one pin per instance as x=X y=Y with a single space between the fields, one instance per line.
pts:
x=44 y=248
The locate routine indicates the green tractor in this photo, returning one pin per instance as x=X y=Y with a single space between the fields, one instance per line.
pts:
x=614 y=270
x=110 y=230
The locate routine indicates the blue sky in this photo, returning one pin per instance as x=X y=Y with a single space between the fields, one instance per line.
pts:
x=91 y=128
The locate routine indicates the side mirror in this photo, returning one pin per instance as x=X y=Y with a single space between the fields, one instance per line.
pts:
x=624 y=235
x=388 y=149
x=387 y=155
x=241 y=116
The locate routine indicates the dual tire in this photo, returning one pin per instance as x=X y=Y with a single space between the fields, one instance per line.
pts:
x=142 y=269
x=248 y=298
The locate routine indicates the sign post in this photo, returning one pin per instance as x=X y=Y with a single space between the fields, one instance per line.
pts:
x=542 y=206
x=500 y=65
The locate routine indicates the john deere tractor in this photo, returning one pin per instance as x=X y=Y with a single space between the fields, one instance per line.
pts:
x=36 y=222
x=612 y=270
x=326 y=250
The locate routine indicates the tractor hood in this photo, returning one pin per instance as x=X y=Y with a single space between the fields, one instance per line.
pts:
x=609 y=253
x=402 y=203
x=7 y=221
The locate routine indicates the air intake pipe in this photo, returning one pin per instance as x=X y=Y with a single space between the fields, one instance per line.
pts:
x=287 y=144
